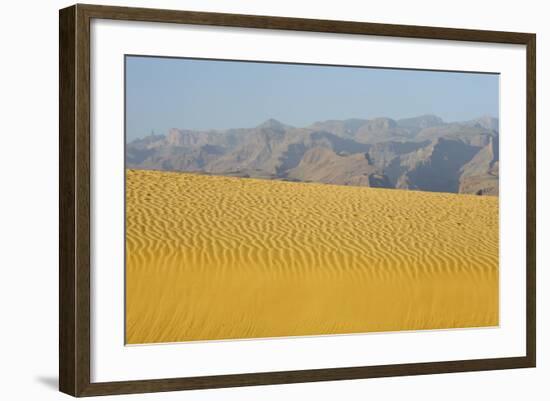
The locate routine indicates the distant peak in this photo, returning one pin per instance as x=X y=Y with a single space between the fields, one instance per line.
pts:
x=429 y=117
x=487 y=122
x=271 y=123
x=381 y=123
x=486 y=118
x=423 y=121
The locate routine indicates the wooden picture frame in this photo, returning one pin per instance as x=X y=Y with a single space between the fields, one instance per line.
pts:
x=74 y=200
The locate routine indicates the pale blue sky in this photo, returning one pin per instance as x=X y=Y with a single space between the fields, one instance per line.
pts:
x=162 y=93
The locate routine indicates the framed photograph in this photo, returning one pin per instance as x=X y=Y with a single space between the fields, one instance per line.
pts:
x=250 y=200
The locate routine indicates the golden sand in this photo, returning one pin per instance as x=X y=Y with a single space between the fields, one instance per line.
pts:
x=212 y=257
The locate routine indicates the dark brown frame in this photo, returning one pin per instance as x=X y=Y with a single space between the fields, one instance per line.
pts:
x=74 y=199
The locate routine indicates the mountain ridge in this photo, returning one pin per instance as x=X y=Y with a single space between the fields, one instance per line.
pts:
x=421 y=153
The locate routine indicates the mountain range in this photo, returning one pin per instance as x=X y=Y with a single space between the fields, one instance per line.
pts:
x=422 y=153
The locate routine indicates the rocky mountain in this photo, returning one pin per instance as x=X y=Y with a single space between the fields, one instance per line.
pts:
x=422 y=153
x=322 y=164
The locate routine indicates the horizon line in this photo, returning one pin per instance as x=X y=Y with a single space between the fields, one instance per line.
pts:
x=276 y=120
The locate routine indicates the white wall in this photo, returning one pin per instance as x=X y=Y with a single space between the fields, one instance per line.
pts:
x=28 y=198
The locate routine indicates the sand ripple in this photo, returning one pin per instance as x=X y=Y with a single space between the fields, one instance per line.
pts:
x=212 y=257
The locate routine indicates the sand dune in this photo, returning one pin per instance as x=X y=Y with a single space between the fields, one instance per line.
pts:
x=212 y=257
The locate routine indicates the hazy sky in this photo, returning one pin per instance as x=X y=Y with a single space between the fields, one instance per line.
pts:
x=162 y=93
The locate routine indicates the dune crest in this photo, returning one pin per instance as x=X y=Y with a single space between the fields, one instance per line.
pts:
x=212 y=257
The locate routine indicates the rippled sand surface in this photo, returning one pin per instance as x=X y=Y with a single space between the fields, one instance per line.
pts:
x=212 y=257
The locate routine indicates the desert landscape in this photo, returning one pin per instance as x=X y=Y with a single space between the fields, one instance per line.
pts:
x=269 y=199
x=213 y=257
